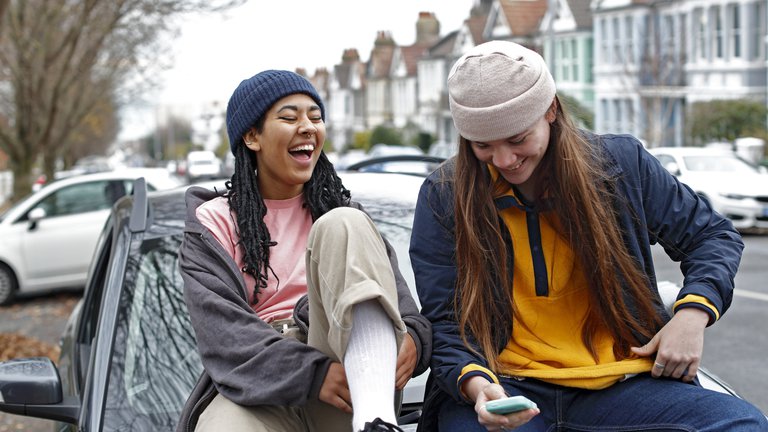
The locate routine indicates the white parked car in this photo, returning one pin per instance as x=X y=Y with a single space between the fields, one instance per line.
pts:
x=47 y=239
x=734 y=188
x=202 y=165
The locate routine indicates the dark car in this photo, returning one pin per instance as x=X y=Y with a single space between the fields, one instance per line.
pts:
x=129 y=358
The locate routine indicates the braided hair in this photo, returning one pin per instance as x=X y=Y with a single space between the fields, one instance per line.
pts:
x=323 y=192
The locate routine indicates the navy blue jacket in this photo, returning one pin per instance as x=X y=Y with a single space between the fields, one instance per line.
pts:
x=656 y=208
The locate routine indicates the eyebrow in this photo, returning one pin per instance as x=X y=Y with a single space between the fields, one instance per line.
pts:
x=296 y=108
x=518 y=136
x=512 y=138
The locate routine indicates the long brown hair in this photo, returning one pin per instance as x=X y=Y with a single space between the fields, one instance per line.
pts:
x=583 y=202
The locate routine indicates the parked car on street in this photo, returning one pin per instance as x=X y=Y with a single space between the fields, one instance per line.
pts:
x=47 y=240
x=733 y=187
x=395 y=159
x=129 y=357
x=203 y=165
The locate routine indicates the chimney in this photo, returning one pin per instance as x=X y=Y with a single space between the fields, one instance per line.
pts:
x=427 y=28
x=350 y=56
x=384 y=38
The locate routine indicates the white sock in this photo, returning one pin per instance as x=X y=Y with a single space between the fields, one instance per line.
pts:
x=370 y=362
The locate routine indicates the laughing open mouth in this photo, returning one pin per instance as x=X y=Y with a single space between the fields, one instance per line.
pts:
x=304 y=149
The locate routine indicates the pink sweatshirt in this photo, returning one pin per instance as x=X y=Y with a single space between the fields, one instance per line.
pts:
x=288 y=224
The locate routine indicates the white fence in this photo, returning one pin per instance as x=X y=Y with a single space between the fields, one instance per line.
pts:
x=6 y=186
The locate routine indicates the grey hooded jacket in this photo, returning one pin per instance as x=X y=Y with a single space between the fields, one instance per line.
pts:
x=244 y=358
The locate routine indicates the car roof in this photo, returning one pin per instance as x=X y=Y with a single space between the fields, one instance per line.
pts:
x=159 y=177
x=168 y=208
x=688 y=151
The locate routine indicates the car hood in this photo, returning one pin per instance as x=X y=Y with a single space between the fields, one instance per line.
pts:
x=723 y=182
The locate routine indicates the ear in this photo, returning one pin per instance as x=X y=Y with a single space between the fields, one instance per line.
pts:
x=251 y=139
x=551 y=113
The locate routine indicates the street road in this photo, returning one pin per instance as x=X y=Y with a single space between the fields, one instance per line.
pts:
x=736 y=347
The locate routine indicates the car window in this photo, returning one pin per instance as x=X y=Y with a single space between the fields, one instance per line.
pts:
x=129 y=187
x=665 y=159
x=82 y=197
x=155 y=362
x=720 y=163
x=89 y=315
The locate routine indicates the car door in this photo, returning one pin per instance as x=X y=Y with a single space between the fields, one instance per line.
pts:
x=57 y=249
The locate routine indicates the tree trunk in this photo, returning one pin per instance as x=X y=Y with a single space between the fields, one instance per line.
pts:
x=49 y=167
x=22 y=180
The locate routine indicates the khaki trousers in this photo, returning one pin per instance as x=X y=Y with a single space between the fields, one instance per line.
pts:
x=347 y=264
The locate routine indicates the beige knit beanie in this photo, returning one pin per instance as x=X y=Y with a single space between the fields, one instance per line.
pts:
x=497 y=90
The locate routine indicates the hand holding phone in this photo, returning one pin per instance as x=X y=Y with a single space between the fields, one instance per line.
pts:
x=509 y=405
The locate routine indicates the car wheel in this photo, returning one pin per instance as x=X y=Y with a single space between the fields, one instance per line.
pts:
x=7 y=285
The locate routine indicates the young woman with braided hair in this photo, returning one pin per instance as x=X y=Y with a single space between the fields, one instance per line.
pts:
x=303 y=320
x=531 y=250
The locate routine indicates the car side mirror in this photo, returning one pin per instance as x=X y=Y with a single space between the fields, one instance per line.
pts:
x=34 y=216
x=29 y=381
x=672 y=168
x=32 y=387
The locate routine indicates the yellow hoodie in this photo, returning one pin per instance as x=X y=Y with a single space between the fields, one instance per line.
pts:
x=546 y=341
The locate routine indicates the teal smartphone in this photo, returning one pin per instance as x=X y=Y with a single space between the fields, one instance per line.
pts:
x=509 y=405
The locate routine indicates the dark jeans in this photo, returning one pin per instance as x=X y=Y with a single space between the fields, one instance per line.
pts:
x=641 y=403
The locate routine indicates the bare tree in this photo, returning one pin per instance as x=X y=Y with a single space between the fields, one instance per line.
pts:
x=58 y=60
x=3 y=7
x=96 y=132
x=662 y=76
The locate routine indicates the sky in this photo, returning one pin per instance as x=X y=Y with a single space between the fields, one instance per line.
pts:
x=214 y=52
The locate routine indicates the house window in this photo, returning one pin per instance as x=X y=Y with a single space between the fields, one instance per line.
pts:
x=629 y=114
x=630 y=39
x=606 y=115
x=565 y=60
x=603 y=35
x=617 y=57
x=683 y=37
x=756 y=30
x=588 y=48
x=348 y=104
x=717 y=27
x=574 y=60
x=667 y=42
x=734 y=18
x=619 y=115
x=700 y=23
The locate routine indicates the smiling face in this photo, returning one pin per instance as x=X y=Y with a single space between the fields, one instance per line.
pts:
x=288 y=146
x=517 y=157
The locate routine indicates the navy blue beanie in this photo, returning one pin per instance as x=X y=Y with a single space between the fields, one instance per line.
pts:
x=256 y=95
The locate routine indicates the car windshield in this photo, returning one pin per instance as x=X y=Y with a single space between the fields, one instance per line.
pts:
x=8 y=211
x=720 y=163
x=155 y=362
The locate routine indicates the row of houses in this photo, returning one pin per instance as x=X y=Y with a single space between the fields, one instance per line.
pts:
x=637 y=64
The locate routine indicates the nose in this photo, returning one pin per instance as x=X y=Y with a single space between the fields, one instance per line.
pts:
x=307 y=127
x=505 y=157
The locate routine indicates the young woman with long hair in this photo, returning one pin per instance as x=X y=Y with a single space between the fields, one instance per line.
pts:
x=531 y=250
